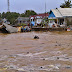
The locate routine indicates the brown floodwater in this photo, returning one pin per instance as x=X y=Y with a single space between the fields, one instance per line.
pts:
x=20 y=52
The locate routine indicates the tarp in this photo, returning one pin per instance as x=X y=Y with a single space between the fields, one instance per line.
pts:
x=33 y=23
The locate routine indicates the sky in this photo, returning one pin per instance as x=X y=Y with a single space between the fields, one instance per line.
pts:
x=37 y=5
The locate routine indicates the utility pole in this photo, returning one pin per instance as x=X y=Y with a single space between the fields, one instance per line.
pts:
x=45 y=14
x=8 y=5
x=45 y=8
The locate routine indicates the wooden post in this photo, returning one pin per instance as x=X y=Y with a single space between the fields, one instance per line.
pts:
x=57 y=20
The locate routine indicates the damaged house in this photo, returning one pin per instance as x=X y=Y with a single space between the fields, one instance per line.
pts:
x=61 y=16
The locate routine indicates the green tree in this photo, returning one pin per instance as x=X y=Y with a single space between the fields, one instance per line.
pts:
x=0 y=15
x=10 y=16
x=28 y=13
x=67 y=4
x=3 y=15
x=22 y=15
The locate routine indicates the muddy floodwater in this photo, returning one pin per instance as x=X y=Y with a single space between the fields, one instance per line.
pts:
x=20 y=52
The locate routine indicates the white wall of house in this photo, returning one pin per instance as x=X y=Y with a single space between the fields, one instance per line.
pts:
x=38 y=21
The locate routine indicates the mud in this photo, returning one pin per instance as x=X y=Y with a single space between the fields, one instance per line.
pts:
x=20 y=52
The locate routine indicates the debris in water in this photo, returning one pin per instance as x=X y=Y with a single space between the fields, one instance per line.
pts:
x=5 y=49
x=20 y=69
x=27 y=52
x=36 y=37
x=57 y=57
x=43 y=59
x=55 y=45
x=43 y=43
x=68 y=67
x=41 y=67
x=52 y=66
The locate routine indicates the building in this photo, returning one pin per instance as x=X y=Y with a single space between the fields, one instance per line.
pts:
x=5 y=21
x=22 y=20
x=61 y=16
x=38 y=18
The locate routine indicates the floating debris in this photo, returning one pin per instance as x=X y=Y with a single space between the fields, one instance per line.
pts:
x=43 y=59
x=30 y=54
x=11 y=66
x=36 y=37
x=68 y=67
x=5 y=49
x=52 y=66
x=41 y=67
x=57 y=57
x=20 y=69
x=27 y=52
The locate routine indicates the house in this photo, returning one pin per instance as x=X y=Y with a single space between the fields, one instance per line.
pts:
x=22 y=20
x=5 y=21
x=61 y=16
x=38 y=18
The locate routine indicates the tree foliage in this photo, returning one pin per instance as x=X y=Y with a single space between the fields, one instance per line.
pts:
x=12 y=16
x=67 y=4
x=28 y=13
x=0 y=15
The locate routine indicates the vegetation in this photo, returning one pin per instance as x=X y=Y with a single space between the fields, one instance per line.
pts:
x=28 y=13
x=67 y=4
x=22 y=24
x=12 y=16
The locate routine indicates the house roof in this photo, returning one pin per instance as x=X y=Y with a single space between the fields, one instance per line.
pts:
x=22 y=18
x=62 y=12
x=40 y=15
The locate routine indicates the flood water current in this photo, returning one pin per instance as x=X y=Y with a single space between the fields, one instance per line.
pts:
x=20 y=52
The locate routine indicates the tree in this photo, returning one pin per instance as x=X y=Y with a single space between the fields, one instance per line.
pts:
x=28 y=13
x=10 y=16
x=67 y=4
x=22 y=15
x=3 y=15
x=0 y=15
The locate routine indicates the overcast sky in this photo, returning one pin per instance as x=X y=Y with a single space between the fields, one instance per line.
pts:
x=36 y=5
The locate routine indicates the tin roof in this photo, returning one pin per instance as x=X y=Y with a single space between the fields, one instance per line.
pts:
x=40 y=15
x=62 y=12
x=23 y=18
